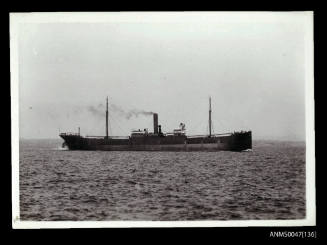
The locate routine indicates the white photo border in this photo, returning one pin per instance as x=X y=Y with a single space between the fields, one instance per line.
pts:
x=101 y=17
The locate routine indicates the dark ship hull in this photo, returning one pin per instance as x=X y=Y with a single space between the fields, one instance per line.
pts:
x=158 y=141
x=229 y=142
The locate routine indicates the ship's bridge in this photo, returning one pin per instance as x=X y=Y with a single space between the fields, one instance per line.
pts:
x=139 y=133
x=180 y=131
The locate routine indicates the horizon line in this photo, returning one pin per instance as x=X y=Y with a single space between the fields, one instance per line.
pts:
x=258 y=139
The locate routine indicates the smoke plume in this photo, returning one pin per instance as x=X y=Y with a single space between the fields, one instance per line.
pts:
x=99 y=111
x=96 y=111
x=137 y=113
x=131 y=113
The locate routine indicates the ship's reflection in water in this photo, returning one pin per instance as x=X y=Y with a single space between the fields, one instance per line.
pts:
x=268 y=183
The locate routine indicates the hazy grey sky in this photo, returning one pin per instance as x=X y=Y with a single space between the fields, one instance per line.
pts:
x=254 y=72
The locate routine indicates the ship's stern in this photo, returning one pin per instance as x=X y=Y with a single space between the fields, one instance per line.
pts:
x=242 y=141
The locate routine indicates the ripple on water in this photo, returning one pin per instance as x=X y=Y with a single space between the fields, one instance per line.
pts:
x=268 y=183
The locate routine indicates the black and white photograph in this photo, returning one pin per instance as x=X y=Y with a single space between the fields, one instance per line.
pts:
x=164 y=119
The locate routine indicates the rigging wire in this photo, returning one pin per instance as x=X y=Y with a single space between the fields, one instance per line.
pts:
x=207 y=129
x=220 y=124
x=117 y=124
x=197 y=126
x=109 y=124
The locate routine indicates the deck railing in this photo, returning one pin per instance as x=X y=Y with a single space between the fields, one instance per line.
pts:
x=69 y=134
x=110 y=137
x=212 y=135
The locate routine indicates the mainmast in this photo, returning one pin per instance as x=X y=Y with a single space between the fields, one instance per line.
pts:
x=107 y=119
x=209 y=116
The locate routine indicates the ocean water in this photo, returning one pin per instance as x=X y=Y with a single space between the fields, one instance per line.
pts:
x=56 y=184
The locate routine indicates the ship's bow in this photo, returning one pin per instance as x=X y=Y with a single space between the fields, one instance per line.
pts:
x=72 y=141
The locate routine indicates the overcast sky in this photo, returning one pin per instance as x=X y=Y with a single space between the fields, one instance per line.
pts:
x=253 y=70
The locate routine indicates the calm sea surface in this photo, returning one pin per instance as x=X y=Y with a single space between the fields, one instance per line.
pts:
x=268 y=183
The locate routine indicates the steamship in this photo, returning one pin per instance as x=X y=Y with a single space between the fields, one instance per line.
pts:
x=143 y=140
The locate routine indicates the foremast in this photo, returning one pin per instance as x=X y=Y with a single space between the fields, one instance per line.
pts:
x=210 y=124
x=107 y=120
